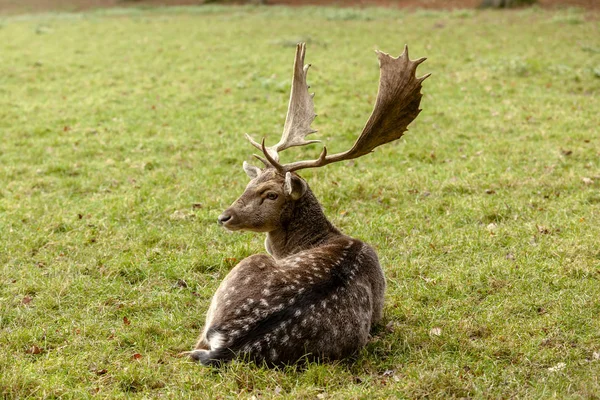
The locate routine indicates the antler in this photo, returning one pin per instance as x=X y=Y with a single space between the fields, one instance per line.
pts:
x=397 y=105
x=301 y=111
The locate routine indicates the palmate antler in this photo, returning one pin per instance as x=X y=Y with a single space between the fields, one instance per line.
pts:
x=397 y=105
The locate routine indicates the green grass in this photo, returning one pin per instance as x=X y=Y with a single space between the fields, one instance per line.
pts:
x=122 y=140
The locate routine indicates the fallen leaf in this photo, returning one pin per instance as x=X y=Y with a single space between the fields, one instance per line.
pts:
x=26 y=300
x=491 y=227
x=388 y=372
x=543 y=229
x=390 y=327
x=34 y=350
x=435 y=331
x=587 y=181
x=180 y=283
x=196 y=206
x=596 y=355
x=137 y=356
x=490 y=191
x=180 y=215
x=101 y=371
x=557 y=367
x=126 y=321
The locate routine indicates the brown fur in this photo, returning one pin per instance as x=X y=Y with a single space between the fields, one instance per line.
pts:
x=316 y=296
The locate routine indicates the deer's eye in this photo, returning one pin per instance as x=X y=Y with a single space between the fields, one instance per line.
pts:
x=272 y=196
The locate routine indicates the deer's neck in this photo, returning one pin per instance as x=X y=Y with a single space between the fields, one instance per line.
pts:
x=303 y=226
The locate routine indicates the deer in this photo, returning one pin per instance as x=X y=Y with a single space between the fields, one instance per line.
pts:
x=317 y=292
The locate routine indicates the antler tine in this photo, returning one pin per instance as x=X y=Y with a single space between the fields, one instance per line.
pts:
x=270 y=158
x=253 y=142
x=397 y=105
x=262 y=160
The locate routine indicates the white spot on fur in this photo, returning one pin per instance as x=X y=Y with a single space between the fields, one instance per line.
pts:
x=266 y=292
x=263 y=302
x=273 y=354
x=297 y=313
x=217 y=340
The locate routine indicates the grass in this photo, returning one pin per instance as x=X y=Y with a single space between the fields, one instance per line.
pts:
x=122 y=140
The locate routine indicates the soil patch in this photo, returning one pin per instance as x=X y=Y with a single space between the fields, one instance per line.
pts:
x=33 y=6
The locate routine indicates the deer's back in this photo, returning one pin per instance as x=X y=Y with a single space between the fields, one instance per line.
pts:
x=319 y=302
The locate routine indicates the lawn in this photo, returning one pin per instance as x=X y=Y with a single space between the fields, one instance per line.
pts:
x=121 y=141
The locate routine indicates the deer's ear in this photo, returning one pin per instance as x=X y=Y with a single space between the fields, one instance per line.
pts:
x=294 y=186
x=251 y=170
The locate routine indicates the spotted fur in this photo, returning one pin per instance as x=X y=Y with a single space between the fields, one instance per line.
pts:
x=316 y=296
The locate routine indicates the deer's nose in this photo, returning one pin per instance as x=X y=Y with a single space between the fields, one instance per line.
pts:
x=223 y=218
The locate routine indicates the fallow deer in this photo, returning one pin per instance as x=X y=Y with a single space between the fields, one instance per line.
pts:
x=318 y=292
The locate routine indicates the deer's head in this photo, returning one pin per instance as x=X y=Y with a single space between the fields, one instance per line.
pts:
x=265 y=202
x=274 y=190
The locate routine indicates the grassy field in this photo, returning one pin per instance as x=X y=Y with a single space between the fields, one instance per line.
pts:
x=122 y=141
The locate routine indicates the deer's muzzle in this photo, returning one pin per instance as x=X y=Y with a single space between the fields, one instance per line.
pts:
x=223 y=218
